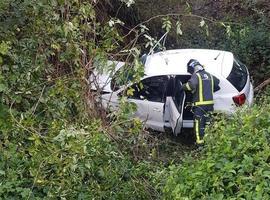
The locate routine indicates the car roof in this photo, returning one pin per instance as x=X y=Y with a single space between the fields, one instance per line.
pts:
x=169 y=62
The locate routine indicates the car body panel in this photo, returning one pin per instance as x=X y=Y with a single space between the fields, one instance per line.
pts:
x=173 y=116
x=227 y=63
x=110 y=101
x=155 y=116
x=151 y=113
x=175 y=61
x=102 y=79
x=142 y=109
x=250 y=95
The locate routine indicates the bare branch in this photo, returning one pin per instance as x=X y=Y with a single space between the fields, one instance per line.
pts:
x=262 y=85
x=178 y=15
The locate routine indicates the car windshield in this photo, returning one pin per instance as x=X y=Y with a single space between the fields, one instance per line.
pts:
x=238 y=76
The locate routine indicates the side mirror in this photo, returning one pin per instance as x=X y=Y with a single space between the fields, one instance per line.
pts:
x=143 y=58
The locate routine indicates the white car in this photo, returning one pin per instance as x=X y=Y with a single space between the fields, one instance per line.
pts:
x=161 y=102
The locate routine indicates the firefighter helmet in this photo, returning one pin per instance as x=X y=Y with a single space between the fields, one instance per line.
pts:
x=191 y=65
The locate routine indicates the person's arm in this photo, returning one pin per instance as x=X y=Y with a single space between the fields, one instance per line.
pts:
x=191 y=84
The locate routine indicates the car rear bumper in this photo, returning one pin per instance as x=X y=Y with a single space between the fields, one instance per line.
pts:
x=250 y=95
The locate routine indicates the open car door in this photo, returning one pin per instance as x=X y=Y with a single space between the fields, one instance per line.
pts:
x=174 y=107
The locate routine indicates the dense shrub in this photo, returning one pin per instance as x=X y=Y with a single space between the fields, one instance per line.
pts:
x=69 y=164
x=249 y=44
x=234 y=163
x=51 y=146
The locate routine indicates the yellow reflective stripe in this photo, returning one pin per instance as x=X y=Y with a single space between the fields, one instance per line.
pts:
x=197 y=129
x=200 y=88
x=212 y=81
x=204 y=103
x=198 y=139
x=188 y=87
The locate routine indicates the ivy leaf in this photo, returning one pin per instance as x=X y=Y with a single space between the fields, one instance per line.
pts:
x=178 y=28
x=2 y=87
x=143 y=28
x=222 y=24
x=207 y=30
x=4 y=47
x=130 y=92
x=202 y=23
x=2 y=172
x=229 y=30
x=167 y=24
x=266 y=174
x=128 y=2
x=188 y=8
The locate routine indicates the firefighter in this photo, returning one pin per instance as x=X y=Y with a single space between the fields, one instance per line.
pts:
x=202 y=85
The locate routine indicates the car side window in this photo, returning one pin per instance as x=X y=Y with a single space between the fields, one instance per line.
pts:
x=178 y=94
x=151 y=89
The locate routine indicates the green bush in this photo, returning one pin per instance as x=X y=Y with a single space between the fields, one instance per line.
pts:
x=68 y=164
x=51 y=146
x=249 y=44
x=234 y=164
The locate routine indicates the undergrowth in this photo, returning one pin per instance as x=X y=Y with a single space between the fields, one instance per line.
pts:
x=234 y=163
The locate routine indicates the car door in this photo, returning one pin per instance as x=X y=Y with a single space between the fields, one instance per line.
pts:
x=149 y=96
x=174 y=106
x=135 y=95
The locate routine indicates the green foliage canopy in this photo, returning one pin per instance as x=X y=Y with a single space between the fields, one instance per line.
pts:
x=51 y=147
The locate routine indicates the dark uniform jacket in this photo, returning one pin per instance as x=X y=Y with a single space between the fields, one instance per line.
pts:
x=202 y=84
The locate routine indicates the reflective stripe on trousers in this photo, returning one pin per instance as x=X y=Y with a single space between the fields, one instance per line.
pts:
x=188 y=86
x=199 y=136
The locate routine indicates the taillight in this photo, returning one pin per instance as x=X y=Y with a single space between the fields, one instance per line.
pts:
x=239 y=99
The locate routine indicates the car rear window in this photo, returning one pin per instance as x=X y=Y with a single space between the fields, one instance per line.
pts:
x=238 y=76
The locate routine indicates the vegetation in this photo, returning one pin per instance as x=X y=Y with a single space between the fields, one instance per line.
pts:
x=236 y=26
x=57 y=142
x=233 y=165
x=51 y=145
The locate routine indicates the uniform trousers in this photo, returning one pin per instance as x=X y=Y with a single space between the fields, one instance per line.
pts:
x=201 y=118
